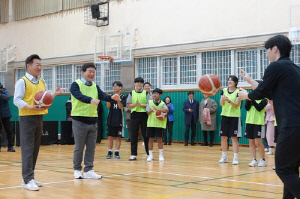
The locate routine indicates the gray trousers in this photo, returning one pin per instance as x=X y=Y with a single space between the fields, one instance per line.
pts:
x=84 y=135
x=31 y=128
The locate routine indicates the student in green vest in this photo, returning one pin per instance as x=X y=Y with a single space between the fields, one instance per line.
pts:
x=86 y=96
x=155 y=126
x=231 y=104
x=137 y=102
x=254 y=121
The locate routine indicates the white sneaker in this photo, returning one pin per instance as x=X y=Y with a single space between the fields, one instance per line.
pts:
x=266 y=149
x=150 y=158
x=161 y=158
x=132 y=158
x=262 y=163
x=235 y=161
x=274 y=168
x=271 y=151
x=31 y=185
x=39 y=184
x=91 y=175
x=77 y=174
x=253 y=163
x=223 y=159
x=143 y=144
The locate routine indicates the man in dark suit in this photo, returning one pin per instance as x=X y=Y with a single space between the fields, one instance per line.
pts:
x=191 y=110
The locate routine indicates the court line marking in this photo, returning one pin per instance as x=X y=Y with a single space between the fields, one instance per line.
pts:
x=216 y=187
x=224 y=179
x=126 y=174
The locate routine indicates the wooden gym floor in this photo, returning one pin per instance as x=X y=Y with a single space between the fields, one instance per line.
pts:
x=188 y=172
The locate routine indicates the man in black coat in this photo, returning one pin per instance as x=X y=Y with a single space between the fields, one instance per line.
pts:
x=191 y=110
x=281 y=84
x=5 y=118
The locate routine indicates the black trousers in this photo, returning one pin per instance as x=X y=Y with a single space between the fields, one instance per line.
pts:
x=8 y=130
x=31 y=128
x=136 y=120
x=169 y=130
x=211 y=135
x=287 y=161
x=187 y=129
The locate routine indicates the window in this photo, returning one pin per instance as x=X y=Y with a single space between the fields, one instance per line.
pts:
x=218 y=63
x=247 y=60
x=64 y=77
x=264 y=62
x=188 y=70
x=295 y=54
x=78 y=72
x=111 y=75
x=20 y=73
x=2 y=78
x=147 y=69
x=48 y=77
x=169 y=71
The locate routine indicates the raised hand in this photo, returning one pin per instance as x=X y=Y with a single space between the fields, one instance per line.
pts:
x=245 y=76
x=243 y=94
x=116 y=97
x=95 y=102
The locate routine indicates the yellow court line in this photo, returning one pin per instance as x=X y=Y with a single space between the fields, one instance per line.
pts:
x=210 y=188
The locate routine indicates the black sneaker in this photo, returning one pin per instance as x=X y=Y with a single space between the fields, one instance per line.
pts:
x=204 y=144
x=117 y=155
x=109 y=155
x=11 y=149
x=165 y=143
x=128 y=140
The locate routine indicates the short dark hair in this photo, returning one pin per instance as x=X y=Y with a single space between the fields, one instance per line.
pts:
x=234 y=78
x=157 y=90
x=118 y=83
x=29 y=60
x=138 y=79
x=283 y=44
x=191 y=92
x=88 y=65
x=166 y=98
x=147 y=83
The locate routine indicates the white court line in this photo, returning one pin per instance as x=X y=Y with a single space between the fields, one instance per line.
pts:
x=175 y=174
x=126 y=174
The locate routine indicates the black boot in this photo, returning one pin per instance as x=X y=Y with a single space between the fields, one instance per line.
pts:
x=186 y=144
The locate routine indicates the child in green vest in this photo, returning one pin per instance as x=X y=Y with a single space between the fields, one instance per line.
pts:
x=231 y=104
x=254 y=121
x=155 y=126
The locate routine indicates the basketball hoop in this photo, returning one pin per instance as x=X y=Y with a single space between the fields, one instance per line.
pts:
x=106 y=60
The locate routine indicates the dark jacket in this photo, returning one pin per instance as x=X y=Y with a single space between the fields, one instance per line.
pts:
x=188 y=115
x=281 y=84
x=4 y=105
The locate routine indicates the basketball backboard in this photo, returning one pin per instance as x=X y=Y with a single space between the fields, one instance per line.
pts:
x=7 y=55
x=118 y=46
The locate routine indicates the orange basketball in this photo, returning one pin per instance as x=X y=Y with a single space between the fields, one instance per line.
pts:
x=160 y=115
x=43 y=99
x=209 y=84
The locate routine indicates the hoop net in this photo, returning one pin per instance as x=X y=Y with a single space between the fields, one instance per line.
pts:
x=105 y=60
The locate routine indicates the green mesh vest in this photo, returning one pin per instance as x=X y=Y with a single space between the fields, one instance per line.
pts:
x=227 y=109
x=256 y=117
x=152 y=120
x=83 y=109
x=142 y=97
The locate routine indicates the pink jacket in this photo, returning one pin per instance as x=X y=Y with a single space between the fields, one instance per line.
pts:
x=269 y=114
x=206 y=116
